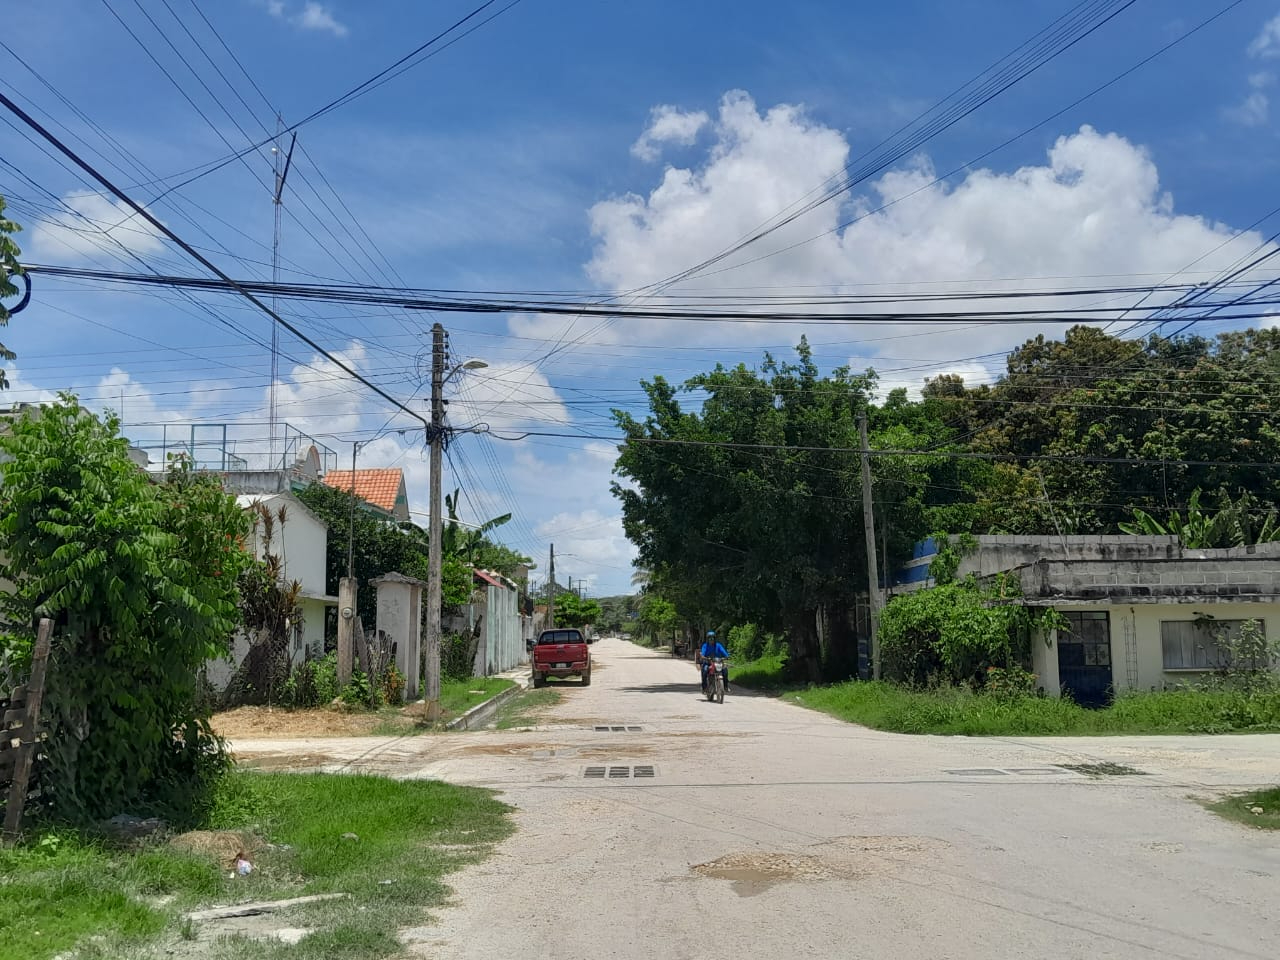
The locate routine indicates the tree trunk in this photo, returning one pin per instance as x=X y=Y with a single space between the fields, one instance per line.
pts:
x=805 y=661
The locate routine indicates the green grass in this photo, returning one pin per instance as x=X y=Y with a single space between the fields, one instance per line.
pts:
x=527 y=709
x=456 y=698
x=885 y=706
x=1241 y=807
x=767 y=673
x=57 y=894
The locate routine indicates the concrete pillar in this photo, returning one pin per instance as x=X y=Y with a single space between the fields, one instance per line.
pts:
x=347 y=594
x=400 y=618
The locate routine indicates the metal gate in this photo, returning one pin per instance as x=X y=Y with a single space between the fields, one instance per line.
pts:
x=1084 y=658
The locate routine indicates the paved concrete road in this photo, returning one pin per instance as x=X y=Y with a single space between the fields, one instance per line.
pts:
x=769 y=831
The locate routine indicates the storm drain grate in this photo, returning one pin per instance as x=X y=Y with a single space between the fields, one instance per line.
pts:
x=618 y=729
x=642 y=772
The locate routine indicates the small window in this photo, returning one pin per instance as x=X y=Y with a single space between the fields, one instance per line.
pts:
x=1199 y=644
x=561 y=636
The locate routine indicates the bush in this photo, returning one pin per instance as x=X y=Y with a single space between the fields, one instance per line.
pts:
x=745 y=642
x=1009 y=683
x=952 y=633
x=457 y=657
x=359 y=692
x=393 y=686
x=140 y=578
x=313 y=683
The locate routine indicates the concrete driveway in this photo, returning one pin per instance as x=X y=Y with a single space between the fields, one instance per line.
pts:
x=759 y=829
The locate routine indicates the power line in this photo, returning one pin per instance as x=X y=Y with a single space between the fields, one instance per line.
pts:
x=406 y=62
x=195 y=254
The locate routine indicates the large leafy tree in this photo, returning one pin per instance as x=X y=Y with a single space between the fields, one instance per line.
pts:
x=749 y=505
x=575 y=611
x=140 y=580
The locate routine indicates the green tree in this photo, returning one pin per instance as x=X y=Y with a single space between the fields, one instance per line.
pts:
x=381 y=545
x=9 y=267
x=575 y=611
x=140 y=580
x=733 y=533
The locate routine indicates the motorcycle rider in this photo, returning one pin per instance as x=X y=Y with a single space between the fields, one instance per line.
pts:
x=712 y=649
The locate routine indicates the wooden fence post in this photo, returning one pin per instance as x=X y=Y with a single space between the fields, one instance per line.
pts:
x=27 y=733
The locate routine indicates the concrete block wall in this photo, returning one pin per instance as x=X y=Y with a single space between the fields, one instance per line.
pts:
x=1183 y=581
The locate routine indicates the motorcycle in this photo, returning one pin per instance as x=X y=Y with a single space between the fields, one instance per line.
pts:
x=715 y=681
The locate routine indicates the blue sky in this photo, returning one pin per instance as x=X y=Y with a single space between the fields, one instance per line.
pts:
x=518 y=159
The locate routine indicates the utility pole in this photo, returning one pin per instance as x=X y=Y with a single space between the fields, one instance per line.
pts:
x=435 y=532
x=347 y=592
x=282 y=174
x=869 y=531
x=551 y=591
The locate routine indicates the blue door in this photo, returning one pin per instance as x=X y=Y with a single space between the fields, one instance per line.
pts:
x=1084 y=658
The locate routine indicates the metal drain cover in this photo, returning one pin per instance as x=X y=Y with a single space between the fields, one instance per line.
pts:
x=617 y=729
x=620 y=772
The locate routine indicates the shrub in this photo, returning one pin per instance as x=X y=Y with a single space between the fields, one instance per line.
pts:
x=359 y=692
x=746 y=642
x=140 y=579
x=1009 y=683
x=393 y=686
x=457 y=657
x=953 y=632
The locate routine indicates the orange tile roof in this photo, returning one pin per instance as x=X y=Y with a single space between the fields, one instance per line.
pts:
x=380 y=487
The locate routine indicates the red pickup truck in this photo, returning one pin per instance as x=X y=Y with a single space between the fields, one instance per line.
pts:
x=561 y=653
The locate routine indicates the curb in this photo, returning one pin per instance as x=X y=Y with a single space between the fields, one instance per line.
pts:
x=482 y=713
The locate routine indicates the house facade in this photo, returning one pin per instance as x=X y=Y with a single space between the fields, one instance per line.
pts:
x=300 y=542
x=1142 y=613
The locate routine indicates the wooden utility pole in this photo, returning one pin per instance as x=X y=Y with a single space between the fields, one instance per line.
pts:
x=869 y=531
x=551 y=591
x=28 y=733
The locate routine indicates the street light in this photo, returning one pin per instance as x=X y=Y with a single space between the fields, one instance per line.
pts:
x=435 y=559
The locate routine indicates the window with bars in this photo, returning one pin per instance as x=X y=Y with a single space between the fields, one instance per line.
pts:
x=1200 y=644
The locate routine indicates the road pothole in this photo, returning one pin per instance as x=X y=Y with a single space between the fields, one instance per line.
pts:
x=839 y=858
x=754 y=873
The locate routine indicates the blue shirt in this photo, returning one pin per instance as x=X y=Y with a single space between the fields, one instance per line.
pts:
x=714 y=648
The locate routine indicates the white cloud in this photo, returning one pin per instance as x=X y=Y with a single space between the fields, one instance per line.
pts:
x=1093 y=209
x=668 y=124
x=1266 y=45
x=1253 y=111
x=589 y=543
x=92 y=225
x=312 y=16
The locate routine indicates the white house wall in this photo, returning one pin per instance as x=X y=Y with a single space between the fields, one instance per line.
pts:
x=1139 y=624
